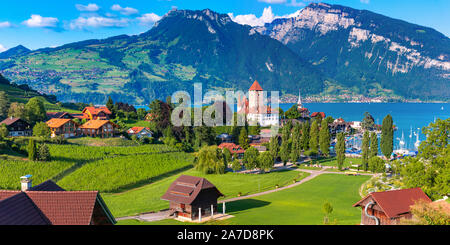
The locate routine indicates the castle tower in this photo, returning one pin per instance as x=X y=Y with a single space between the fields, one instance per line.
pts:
x=255 y=98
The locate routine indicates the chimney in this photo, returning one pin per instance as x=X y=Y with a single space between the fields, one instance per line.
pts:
x=25 y=182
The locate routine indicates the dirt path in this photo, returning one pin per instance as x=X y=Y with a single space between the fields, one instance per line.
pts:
x=164 y=214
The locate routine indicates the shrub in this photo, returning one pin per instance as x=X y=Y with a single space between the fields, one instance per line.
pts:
x=43 y=153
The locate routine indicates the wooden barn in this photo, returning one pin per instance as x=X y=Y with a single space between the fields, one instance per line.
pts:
x=17 y=127
x=192 y=198
x=388 y=207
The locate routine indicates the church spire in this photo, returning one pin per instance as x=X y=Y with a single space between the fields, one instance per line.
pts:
x=299 y=102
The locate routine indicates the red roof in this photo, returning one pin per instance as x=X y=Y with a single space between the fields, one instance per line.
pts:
x=10 y=120
x=234 y=149
x=322 y=114
x=187 y=188
x=137 y=130
x=396 y=202
x=255 y=87
x=96 y=110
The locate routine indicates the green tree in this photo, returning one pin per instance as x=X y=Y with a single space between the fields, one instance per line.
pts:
x=274 y=147
x=43 y=153
x=35 y=110
x=296 y=143
x=41 y=129
x=340 y=150
x=305 y=136
x=377 y=165
x=265 y=161
x=373 y=145
x=243 y=138
x=368 y=122
x=314 y=137
x=4 y=104
x=227 y=156
x=387 y=136
x=236 y=165
x=210 y=160
x=293 y=113
x=32 y=151
x=365 y=150
x=327 y=209
x=324 y=138
x=17 y=110
x=286 y=132
x=110 y=103
x=250 y=159
x=4 y=132
x=141 y=113
x=285 y=151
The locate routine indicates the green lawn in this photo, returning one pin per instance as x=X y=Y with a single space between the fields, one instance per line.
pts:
x=301 y=205
x=147 y=198
x=102 y=142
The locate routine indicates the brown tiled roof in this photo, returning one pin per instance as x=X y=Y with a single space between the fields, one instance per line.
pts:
x=186 y=188
x=314 y=114
x=46 y=186
x=396 y=202
x=21 y=210
x=10 y=120
x=6 y=194
x=80 y=116
x=255 y=87
x=96 y=124
x=58 y=114
x=235 y=149
x=57 y=122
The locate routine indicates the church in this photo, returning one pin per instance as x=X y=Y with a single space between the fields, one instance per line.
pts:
x=256 y=110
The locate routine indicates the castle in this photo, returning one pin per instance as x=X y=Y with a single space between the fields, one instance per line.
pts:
x=255 y=109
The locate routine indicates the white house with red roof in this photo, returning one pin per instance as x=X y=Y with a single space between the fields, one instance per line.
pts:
x=140 y=132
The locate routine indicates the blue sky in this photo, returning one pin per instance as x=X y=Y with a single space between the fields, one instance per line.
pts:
x=49 y=23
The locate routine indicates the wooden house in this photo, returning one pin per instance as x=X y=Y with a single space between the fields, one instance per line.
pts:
x=49 y=204
x=59 y=114
x=17 y=127
x=388 y=207
x=98 y=128
x=192 y=197
x=97 y=113
x=65 y=127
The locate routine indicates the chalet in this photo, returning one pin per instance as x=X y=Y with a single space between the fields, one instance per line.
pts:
x=140 y=132
x=65 y=127
x=388 y=207
x=236 y=150
x=49 y=204
x=99 y=128
x=17 y=127
x=191 y=198
x=60 y=114
x=339 y=126
x=97 y=113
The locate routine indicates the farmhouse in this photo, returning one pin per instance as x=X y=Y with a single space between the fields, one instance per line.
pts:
x=49 y=204
x=17 y=127
x=388 y=207
x=192 y=197
x=236 y=150
x=59 y=114
x=140 y=132
x=65 y=127
x=97 y=113
x=99 y=128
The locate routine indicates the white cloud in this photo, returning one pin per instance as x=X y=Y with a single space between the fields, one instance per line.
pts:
x=92 y=7
x=272 y=1
x=365 y=1
x=39 y=21
x=2 y=48
x=125 y=11
x=266 y=17
x=149 y=19
x=96 y=22
x=5 y=24
x=294 y=3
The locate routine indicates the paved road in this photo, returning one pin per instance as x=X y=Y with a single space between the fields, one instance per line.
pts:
x=313 y=173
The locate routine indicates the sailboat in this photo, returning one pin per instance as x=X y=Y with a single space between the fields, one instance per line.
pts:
x=417 y=144
x=401 y=143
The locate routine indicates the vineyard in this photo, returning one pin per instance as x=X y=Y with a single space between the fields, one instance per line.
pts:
x=119 y=173
x=104 y=168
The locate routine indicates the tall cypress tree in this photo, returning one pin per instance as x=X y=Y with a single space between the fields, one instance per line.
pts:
x=305 y=136
x=314 y=137
x=243 y=138
x=387 y=136
x=296 y=146
x=373 y=145
x=340 y=150
x=274 y=147
x=32 y=156
x=365 y=150
x=324 y=138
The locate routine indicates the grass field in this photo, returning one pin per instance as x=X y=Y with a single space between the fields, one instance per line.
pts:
x=102 y=142
x=300 y=205
x=147 y=198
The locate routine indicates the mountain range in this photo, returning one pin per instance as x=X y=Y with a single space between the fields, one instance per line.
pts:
x=324 y=50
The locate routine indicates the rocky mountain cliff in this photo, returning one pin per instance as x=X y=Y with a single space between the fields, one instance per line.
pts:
x=362 y=49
